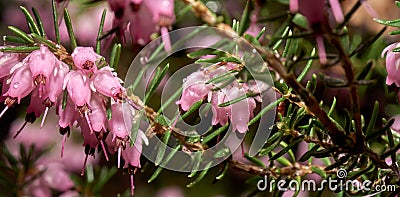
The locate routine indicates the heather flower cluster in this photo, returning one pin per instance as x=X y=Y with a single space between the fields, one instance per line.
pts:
x=141 y=18
x=80 y=96
x=199 y=86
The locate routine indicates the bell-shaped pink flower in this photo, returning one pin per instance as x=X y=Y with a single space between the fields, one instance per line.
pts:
x=117 y=125
x=131 y=154
x=141 y=26
x=107 y=84
x=55 y=85
x=77 y=84
x=21 y=83
x=162 y=11
x=7 y=61
x=85 y=59
x=220 y=114
x=97 y=115
x=41 y=63
x=194 y=89
x=241 y=111
x=88 y=138
x=36 y=105
x=392 y=64
x=68 y=115
x=56 y=177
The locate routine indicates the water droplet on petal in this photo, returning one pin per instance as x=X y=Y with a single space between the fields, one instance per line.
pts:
x=16 y=85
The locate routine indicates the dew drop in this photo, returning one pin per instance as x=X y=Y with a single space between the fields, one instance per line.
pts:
x=143 y=60
x=16 y=85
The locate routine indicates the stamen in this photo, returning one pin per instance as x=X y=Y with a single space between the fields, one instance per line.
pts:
x=104 y=149
x=84 y=165
x=321 y=49
x=19 y=131
x=4 y=111
x=44 y=116
x=89 y=123
x=369 y=9
x=119 y=157
x=40 y=90
x=337 y=10
x=63 y=145
x=166 y=39
x=132 y=185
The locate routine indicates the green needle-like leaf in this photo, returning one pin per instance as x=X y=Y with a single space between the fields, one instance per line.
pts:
x=223 y=172
x=167 y=159
x=197 y=161
x=287 y=148
x=39 y=22
x=214 y=134
x=21 y=34
x=115 y=55
x=307 y=67
x=68 y=23
x=162 y=147
x=15 y=39
x=55 y=21
x=19 y=49
x=236 y=100
x=30 y=20
x=100 y=32
x=192 y=109
x=254 y=160
x=201 y=175
x=44 y=41
x=265 y=110
x=159 y=75
x=245 y=20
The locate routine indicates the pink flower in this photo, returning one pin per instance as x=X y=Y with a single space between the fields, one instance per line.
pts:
x=220 y=114
x=36 y=105
x=85 y=59
x=7 y=61
x=97 y=115
x=56 y=177
x=55 y=85
x=240 y=112
x=194 y=89
x=143 y=18
x=89 y=139
x=117 y=125
x=77 y=84
x=141 y=26
x=162 y=11
x=131 y=154
x=41 y=63
x=392 y=64
x=107 y=84
x=67 y=115
x=396 y=124
x=21 y=84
